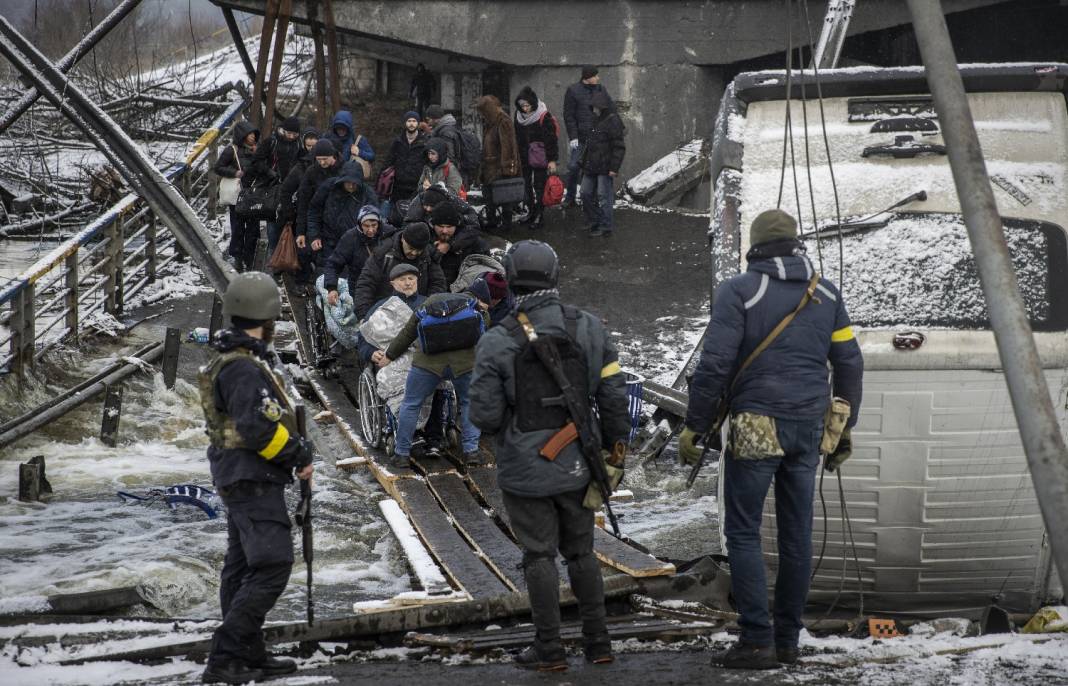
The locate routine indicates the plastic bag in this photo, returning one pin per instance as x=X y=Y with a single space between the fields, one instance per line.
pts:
x=284 y=258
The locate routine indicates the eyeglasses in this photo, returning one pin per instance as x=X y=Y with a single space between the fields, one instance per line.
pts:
x=909 y=340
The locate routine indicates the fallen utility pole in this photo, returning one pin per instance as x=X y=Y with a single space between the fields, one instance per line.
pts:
x=128 y=158
x=1040 y=432
x=67 y=62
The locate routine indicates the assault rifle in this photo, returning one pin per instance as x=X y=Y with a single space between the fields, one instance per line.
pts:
x=303 y=515
x=549 y=354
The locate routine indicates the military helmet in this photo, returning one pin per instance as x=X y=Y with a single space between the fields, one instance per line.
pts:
x=254 y=296
x=532 y=265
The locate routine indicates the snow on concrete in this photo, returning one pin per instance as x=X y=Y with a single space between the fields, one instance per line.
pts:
x=667 y=166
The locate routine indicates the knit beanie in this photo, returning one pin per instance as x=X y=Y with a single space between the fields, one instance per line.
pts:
x=445 y=213
x=323 y=148
x=498 y=285
x=772 y=225
x=589 y=72
x=402 y=269
x=480 y=290
x=411 y=115
x=291 y=124
x=435 y=112
x=432 y=197
x=417 y=235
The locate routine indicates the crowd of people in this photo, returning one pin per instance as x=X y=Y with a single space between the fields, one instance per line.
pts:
x=325 y=178
x=404 y=268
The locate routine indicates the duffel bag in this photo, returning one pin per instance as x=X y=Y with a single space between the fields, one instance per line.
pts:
x=451 y=323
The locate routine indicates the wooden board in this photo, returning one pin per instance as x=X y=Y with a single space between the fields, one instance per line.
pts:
x=609 y=549
x=479 y=528
x=433 y=464
x=455 y=556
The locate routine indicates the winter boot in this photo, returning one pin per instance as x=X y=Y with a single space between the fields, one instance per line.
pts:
x=538 y=220
x=274 y=666
x=787 y=655
x=746 y=656
x=233 y=672
x=532 y=658
x=599 y=653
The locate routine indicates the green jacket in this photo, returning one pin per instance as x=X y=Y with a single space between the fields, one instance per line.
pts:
x=459 y=361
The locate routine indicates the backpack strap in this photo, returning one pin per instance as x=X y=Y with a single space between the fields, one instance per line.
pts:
x=571 y=317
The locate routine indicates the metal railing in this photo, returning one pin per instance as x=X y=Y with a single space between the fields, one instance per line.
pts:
x=105 y=264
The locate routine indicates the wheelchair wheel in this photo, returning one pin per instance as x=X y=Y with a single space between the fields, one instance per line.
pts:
x=320 y=345
x=372 y=412
x=454 y=440
x=391 y=445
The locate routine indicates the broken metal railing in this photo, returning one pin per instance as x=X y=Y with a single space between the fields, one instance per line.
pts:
x=104 y=265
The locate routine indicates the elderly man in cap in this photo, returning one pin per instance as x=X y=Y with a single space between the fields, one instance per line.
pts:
x=773 y=330
x=411 y=246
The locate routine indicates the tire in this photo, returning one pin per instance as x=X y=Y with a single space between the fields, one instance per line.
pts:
x=391 y=445
x=372 y=414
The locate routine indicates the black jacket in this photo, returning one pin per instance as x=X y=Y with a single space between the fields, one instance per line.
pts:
x=243 y=392
x=227 y=165
x=605 y=147
x=577 y=116
x=466 y=241
x=351 y=253
x=373 y=284
x=309 y=184
x=278 y=154
x=539 y=131
x=287 y=200
x=416 y=213
x=407 y=162
x=333 y=210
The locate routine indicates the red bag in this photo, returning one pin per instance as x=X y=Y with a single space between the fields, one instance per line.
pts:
x=554 y=192
x=384 y=186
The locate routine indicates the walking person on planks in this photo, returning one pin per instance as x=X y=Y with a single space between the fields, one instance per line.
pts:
x=254 y=449
x=545 y=480
x=773 y=330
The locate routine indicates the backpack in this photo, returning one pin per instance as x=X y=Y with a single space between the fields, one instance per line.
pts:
x=463 y=189
x=452 y=323
x=470 y=153
x=539 y=406
x=556 y=122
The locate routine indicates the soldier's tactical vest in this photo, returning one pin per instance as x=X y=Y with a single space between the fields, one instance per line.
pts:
x=221 y=430
x=539 y=402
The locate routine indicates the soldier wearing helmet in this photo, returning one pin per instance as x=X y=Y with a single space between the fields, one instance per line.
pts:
x=515 y=397
x=254 y=450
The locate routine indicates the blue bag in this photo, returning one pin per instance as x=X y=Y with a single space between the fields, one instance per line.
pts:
x=452 y=323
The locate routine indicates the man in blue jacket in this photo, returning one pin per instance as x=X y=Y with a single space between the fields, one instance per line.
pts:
x=343 y=135
x=777 y=406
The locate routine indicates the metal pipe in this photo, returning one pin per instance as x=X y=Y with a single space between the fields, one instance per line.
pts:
x=70 y=59
x=239 y=43
x=1043 y=444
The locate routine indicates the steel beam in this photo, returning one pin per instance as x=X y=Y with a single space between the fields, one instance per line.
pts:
x=1040 y=432
x=126 y=156
x=70 y=59
x=835 y=27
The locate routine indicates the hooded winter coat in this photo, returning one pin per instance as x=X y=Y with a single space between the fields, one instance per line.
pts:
x=449 y=131
x=287 y=201
x=443 y=171
x=279 y=154
x=351 y=253
x=245 y=161
x=374 y=284
x=343 y=144
x=520 y=469
x=789 y=379
x=605 y=147
x=416 y=213
x=407 y=161
x=500 y=155
x=313 y=178
x=333 y=210
x=540 y=129
x=577 y=116
x=466 y=241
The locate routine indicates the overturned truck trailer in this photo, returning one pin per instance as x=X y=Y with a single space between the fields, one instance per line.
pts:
x=943 y=511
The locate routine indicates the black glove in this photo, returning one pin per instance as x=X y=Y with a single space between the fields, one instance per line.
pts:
x=303 y=453
x=842 y=453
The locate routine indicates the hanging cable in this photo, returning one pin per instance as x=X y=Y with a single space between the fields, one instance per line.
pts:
x=827 y=151
x=786 y=122
x=808 y=159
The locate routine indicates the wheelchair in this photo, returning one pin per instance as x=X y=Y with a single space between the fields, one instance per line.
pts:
x=378 y=425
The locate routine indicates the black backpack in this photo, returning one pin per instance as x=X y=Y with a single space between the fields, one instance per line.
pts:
x=470 y=152
x=540 y=405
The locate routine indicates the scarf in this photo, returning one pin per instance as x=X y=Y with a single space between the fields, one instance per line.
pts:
x=520 y=299
x=535 y=115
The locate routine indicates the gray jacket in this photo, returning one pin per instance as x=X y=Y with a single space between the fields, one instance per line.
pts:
x=520 y=469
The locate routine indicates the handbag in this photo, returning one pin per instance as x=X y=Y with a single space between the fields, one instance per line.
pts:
x=554 y=192
x=258 y=202
x=508 y=191
x=384 y=185
x=284 y=258
x=230 y=187
x=536 y=157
